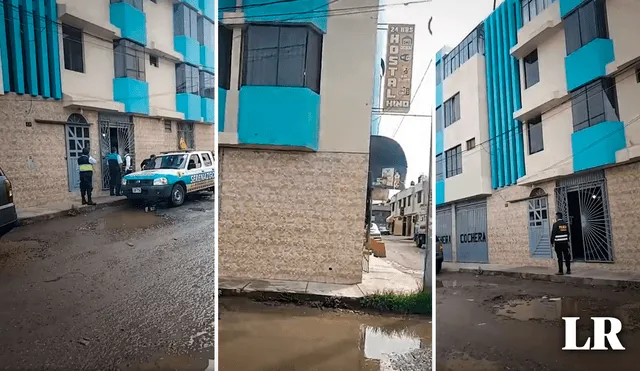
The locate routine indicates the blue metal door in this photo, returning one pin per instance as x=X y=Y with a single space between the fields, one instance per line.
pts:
x=539 y=243
x=444 y=231
x=471 y=230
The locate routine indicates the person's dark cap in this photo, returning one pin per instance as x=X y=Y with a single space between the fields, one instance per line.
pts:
x=559 y=215
x=85 y=151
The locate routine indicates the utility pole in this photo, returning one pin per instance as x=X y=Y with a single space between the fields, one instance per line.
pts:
x=428 y=249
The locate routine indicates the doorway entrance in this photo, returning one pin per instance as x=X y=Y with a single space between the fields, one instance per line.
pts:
x=584 y=204
x=115 y=131
x=77 y=138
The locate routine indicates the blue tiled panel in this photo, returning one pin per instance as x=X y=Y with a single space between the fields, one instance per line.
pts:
x=299 y=11
x=566 y=6
x=189 y=48
x=15 y=46
x=207 y=57
x=440 y=192
x=30 y=55
x=42 y=51
x=207 y=110
x=588 y=63
x=439 y=94
x=190 y=105
x=207 y=9
x=597 y=145
x=134 y=94
x=55 y=76
x=4 y=50
x=222 y=106
x=195 y=4
x=439 y=142
x=131 y=22
x=503 y=96
x=279 y=116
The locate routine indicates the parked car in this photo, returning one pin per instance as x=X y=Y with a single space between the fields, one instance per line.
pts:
x=171 y=177
x=383 y=230
x=439 y=255
x=8 y=215
x=374 y=232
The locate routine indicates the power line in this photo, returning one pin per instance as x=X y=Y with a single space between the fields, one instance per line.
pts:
x=240 y=7
x=415 y=94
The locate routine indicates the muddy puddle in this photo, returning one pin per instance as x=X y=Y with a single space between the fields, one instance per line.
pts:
x=126 y=220
x=464 y=362
x=257 y=337
x=200 y=361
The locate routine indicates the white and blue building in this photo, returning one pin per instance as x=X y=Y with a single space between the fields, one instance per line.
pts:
x=295 y=101
x=537 y=114
x=131 y=74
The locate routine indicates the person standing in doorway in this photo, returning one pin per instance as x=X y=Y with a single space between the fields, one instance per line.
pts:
x=128 y=162
x=115 y=162
x=85 y=164
x=560 y=241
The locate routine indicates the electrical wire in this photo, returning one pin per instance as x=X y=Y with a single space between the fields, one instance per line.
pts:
x=240 y=7
x=415 y=94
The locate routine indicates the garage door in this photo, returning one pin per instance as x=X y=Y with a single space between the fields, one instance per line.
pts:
x=471 y=225
x=443 y=231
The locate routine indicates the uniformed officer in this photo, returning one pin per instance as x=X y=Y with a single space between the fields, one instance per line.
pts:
x=115 y=182
x=85 y=163
x=560 y=241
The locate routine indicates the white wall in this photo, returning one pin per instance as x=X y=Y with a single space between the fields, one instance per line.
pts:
x=557 y=127
x=628 y=105
x=93 y=11
x=346 y=87
x=162 y=84
x=160 y=25
x=470 y=81
x=96 y=83
x=624 y=29
x=553 y=79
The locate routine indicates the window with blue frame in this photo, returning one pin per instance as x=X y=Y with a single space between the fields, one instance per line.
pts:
x=187 y=79
x=471 y=45
x=207 y=85
x=531 y=8
x=185 y=21
x=585 y=24
x=282 y=56
x=129 y=59
x=594 y=103
x=225 y=40
x=134 y=3
x=205 y=31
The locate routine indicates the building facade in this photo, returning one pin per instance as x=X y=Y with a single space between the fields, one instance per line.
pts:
x=409 y=208
x=132 y=74
x=536 y=114
x=295 y=118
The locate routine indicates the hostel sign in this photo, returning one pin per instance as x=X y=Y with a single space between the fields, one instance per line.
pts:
x=397 y=83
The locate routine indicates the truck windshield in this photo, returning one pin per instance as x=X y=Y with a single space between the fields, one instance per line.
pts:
x=168 y=162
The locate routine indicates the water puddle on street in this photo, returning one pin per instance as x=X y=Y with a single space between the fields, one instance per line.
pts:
x=274 y=338
x=200 y=361
x=548 y=309
x=129 y=220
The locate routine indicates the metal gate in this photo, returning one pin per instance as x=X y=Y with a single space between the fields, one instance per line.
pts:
x=471 y=228
x=125 y=140
x=77 y=138
x=539 y=243
x=595 y=223
x=444 y=232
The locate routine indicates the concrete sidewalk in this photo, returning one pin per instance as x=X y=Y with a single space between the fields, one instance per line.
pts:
x=382 y=277
x=30 y=215
x=581 y=273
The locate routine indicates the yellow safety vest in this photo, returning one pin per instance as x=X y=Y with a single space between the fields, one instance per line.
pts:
x=86 y=167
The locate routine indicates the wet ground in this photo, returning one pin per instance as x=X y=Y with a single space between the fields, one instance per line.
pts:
x=269 y=337
x=500 y=323
x=403 y=254
x=113 y=289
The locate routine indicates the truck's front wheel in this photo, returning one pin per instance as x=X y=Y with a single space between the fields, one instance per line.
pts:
x=177 y=195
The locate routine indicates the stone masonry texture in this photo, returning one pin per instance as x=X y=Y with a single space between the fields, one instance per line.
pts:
x=34 y=157
x=292 y=215
x=508 y=236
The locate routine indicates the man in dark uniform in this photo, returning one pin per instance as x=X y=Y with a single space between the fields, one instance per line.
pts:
x=560 y=241
x=115 y=175
x=85 y=164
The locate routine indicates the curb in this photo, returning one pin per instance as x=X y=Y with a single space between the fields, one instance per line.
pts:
x=65 y=213
x=300 y=298
x=556 y=279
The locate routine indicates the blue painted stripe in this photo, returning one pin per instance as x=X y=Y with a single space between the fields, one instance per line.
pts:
x=502 y=140
x=510 y=134
x=515 y=17
x=440 y=196
x=222 y=106
x=439 y=94
x=567 y=6
x=28 y=36
x=4 y=55
x=15 y=47
x=42 y=51
x=488 y=26
x=54 y=57
x=439 y=142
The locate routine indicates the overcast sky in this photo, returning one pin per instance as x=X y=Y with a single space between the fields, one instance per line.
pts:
x=452 y=21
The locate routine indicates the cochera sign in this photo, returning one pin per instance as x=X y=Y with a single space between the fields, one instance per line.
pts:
x=473 y=237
